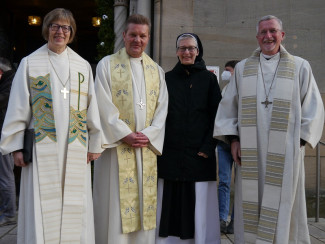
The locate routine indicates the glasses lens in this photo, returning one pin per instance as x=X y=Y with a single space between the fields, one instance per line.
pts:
x=271 y=31
x=54 y=27
x=65 y=28
x=190 y=49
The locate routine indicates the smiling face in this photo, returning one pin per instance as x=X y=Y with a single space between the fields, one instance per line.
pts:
x=270 y=36
x=58 y=40
x=136 y=39
x=187 y=51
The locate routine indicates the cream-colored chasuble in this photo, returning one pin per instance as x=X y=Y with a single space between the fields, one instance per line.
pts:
x=62 y=213
x=260 y=225
x=122 y=96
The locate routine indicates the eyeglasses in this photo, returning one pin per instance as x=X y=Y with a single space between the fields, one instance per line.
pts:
x=264 y=32
x=56 y=27
x=190 y=49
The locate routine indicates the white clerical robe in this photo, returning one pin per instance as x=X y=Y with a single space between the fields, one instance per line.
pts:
x=305 y=121
x=106 y=177
x=18 y=117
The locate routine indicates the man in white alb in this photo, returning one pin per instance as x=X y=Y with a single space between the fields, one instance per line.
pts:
x=271 y=109
x=133 y=101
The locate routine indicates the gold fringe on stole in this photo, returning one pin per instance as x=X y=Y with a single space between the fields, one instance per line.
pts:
x=262 y=226
x=62 y=219
x=122 y=96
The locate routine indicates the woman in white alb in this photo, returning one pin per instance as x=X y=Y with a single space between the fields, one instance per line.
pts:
x=53 y=94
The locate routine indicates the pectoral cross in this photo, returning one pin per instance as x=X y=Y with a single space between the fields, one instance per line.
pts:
x=141 y=104
x=266 y=102
x=65 y=92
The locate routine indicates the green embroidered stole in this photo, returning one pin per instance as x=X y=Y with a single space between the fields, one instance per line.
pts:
x=260 y=225
x=122 y=95
x=62 y=215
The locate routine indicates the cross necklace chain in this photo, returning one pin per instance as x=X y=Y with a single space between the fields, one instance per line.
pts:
x=141 y=103
x=267 y=102
x=64 y=90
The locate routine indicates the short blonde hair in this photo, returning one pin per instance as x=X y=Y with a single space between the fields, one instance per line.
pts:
x=139 y=20
x=59 y=14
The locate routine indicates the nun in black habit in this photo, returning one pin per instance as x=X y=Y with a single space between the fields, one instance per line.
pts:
x=187 y=210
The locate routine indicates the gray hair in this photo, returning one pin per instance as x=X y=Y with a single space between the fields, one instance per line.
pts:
x=186 y=36
x=269 y=17
x=5 y=64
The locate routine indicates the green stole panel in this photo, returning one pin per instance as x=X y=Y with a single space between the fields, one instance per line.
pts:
x=260 y=225
x=122 y=96
x=62 y=204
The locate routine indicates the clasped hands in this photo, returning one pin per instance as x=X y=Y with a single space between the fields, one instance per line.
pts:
x=136 y=140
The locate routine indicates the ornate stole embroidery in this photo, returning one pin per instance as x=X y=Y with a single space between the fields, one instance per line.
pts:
x=122 y=95
x=67 y=228
x=261 y=226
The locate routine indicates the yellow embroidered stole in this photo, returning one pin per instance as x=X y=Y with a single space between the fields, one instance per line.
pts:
x=260 y=225
x=122 y=95
x=62 y=215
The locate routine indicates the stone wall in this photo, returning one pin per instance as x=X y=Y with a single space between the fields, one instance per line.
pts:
x=227 y=30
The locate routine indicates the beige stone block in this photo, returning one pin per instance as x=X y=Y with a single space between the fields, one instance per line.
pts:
x=308 y=14
x=228 y=29
x=177 y=13
x=310 y=173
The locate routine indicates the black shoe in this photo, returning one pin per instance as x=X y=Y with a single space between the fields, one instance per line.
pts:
x=230 y=227
x=223 y=226
x=7 y=220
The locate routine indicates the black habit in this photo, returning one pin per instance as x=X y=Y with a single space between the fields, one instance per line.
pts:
x=194 y=96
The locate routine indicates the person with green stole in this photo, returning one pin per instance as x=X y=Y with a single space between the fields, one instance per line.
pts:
x=133 y=101
x=53 y=94
x=272 y=107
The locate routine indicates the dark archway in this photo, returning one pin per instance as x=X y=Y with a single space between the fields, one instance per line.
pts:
x=18 y=39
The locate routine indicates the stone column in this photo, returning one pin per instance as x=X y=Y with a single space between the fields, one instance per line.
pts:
x=144 y=8
x=133 y=7
x=120 y=15
x=156 y=35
